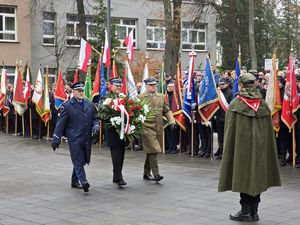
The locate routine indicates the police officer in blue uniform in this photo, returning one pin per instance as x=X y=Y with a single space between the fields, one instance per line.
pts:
x=78 y=117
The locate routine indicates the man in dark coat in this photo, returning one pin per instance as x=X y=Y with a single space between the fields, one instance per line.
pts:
x=79 y=118
x=117 y=145
x=224 y=85
x=249 y=164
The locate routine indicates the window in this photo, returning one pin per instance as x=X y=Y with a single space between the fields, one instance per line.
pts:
x=193 y=36
x=49 y=28
x=51 y=75
x=124 y=26
x=156 y=34
x=7 y=23
x=73 y=38
x=10 y=72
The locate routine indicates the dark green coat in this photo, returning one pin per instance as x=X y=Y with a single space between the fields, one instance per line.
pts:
x=249 y=164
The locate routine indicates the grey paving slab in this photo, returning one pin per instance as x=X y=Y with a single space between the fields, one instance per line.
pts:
x=35 y=189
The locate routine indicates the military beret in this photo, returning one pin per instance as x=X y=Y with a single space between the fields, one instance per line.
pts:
x=223 y=80
x=247 y=78
x=116 y=81
x=150 y=81
x=78 y=85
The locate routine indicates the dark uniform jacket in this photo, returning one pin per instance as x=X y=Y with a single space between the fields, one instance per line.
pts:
x=112 y=137
x=78 y=123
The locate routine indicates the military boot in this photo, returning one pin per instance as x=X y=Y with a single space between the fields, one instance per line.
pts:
x=243 y=215
x=254 y=209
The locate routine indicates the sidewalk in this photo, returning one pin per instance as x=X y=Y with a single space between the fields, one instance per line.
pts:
x=35 y=189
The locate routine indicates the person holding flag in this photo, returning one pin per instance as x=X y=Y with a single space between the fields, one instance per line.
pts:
x=249 y=163
x=78 y=117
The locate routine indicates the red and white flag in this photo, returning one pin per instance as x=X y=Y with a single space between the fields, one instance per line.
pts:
x=2 y=88
x=18 y=99
x=129 y=43
x=106 y=53
x=84 y=55
x=27 y=88
x=38 y=92
x=290 y=103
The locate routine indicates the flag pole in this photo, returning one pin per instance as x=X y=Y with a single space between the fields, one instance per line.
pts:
x=180 y=140
x=100 y=135
x=16 y=123
x=163 y=139
x=294 y=147
x=30 y=122
x=211 y=143
x=6 y=125
x=192 y=138
x=48 y=130
x=23 y=127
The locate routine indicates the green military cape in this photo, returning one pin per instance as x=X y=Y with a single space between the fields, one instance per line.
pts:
x=249 y=164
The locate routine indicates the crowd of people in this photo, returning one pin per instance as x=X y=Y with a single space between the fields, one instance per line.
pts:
x=176 y=140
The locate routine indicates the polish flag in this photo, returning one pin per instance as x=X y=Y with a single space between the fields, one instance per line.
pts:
x=84 y=55
x=106 y=53
x=129 y=43
x=27 y=88
x=2 y=88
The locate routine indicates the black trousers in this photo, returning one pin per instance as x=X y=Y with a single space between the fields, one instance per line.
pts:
x=220 y=131
x=171 y=138
x=205 y=136
x=249 y=199
x=117 y=157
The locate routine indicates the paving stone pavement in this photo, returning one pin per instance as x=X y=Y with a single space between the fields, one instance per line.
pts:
x=35 y=189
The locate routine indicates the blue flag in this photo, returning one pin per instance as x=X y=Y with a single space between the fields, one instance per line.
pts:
x=103 y=90
x=208 y=102
x=236 y=78
x=189 y=98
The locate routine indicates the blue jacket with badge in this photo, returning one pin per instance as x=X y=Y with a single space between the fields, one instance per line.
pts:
x=78 y=119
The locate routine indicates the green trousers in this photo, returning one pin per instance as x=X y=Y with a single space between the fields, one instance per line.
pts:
x=151 y=164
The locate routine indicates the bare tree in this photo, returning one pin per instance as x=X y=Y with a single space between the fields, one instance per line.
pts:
x=81 y=15
x=253 y=57
x=173 y=34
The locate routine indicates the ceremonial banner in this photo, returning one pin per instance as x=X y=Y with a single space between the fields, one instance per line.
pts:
x=96 y=85
x=236 y=78
x=145 y=76
x=60 y=94
x=273 y=96
x=18 y=99
x=177 y=100
x=208 y=102
x=290 y=102
x=189 y=99
x=131 y=88
x=2 y=88
x=88 y=85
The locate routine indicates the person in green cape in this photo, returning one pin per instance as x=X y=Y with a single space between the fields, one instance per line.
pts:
x=249 y=165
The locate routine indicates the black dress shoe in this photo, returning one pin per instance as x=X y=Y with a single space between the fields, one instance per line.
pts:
x=76 y=185
x=201 y=154
x=121 y=183
x=283 y=163
x=158 y=178
x=219 y=157
x=148 y=177
x=86 y=187
x=207 y=155
x=242 y=216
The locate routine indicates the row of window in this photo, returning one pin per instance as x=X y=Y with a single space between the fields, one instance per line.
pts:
x=193 y=35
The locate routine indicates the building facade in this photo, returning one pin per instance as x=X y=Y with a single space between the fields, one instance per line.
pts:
x=51 y=32
x=15 y=34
